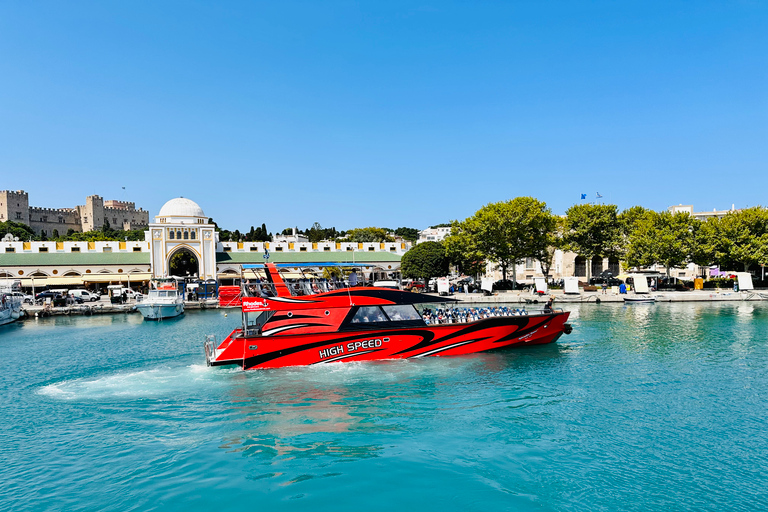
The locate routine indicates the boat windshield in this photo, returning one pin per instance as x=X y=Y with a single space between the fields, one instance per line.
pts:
x=253 y=322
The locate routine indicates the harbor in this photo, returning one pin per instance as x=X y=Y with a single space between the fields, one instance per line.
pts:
x=115 y=413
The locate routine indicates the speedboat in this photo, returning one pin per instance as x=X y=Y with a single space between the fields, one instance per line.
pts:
x=319 y=320
x=10 y=305
x=164 y=300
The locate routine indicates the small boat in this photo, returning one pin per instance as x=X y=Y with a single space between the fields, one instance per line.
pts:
x=164 y=300
x=312 y=321
x=640 y=299
x=10 y=305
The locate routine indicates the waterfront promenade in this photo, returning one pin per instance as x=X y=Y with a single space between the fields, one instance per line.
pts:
x=505 y=297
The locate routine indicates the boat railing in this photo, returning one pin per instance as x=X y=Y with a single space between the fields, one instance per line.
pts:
x=297 y=287
x=209 y=346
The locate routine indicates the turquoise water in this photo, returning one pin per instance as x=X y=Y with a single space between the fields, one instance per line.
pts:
x=645 y=407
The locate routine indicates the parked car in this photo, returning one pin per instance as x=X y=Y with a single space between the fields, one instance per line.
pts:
x=507 y=284
x=25 y=298
x=610 y=281
x=413 y=285
x=45 y=294
x=84 y=295
x=73 y=298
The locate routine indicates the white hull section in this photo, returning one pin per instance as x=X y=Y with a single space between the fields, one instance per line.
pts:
x=10 y=310
x=152 y=311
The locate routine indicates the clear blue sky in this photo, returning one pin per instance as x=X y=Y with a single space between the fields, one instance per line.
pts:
x=383 y=113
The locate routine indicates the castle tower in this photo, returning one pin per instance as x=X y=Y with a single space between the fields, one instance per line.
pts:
x=14 y=206
x=92 y=214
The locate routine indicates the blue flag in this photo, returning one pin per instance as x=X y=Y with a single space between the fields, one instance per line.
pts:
x=583 y=196
x=598 y=195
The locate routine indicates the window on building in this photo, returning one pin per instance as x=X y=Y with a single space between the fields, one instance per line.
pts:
x=75 y=249
x=528 y=262
x=85 y=219
x=171 y=234
x=106 y=249
x=302 y=249
x=227 y=249
x=114 y=221
x=137 y=249
x=18 y=215
x=326 y=249
x=10 y=249
x=186 y=235
x=371 y=249
x=279 y=249
x=43 y=249
x=44 y=218
x=193 y=235
x=350 y=249
x=254 y=248
x=178 y=235
x=61 y=220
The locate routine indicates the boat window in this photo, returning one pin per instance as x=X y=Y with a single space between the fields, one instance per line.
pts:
x=254 y=321
x=401 y=312
x=369 y=314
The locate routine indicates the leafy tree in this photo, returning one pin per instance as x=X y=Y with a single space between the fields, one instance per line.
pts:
x=630 y=218
x=505 y=232
x=462 y=250
x=662 y=238
x=371 y=234
x=17 y=229
x=411 y=234
x=425 y=261
x=741 y=238
x=592 y=230
x=546 y=254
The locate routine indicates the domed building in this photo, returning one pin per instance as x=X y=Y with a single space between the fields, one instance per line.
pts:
x=182 y=242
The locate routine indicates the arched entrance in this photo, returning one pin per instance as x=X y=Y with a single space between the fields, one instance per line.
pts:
x=183 y=262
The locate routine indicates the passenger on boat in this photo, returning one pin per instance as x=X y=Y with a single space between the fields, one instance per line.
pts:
x=353 y=278
x=548 y=305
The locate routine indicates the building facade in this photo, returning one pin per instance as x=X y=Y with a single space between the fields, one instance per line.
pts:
x=14 y=206
x=181 y=226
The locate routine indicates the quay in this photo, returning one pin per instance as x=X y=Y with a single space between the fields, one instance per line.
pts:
x=526 y=297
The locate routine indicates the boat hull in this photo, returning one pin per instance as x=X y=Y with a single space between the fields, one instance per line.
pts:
x=160 y=311
x=484 y=335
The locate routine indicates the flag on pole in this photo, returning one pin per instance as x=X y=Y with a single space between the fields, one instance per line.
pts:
x=583 y=196
x=123 y=188
x=598 y=195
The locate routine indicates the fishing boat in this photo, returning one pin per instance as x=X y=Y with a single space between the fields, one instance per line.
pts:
x=164 y=300
x=10 y=304
x=312 y=320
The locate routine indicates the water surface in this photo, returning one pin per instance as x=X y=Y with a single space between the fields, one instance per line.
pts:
x=643 y=407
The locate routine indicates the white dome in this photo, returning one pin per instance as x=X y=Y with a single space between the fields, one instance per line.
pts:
x=181 y=207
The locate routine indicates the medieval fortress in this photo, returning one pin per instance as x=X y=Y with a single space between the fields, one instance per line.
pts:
x=14 y=206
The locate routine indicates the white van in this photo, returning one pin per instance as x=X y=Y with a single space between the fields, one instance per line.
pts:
x=84 y=294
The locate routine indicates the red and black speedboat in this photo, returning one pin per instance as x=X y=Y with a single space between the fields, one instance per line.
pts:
x=312 y=321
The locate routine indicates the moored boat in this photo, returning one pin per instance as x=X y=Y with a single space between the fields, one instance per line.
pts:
x=10 y=305
x=314 y=321
x=164 y=300
x=640 y=299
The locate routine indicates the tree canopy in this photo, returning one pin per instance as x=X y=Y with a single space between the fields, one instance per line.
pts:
x=592 y=230
x=371 y=234
x=505 y=232
x=425 y=261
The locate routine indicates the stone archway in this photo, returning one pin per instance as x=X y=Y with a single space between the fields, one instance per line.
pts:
x=183 y=262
